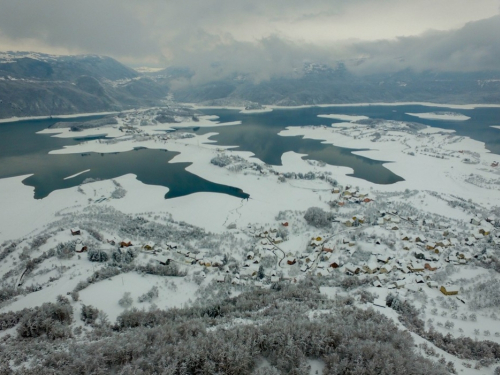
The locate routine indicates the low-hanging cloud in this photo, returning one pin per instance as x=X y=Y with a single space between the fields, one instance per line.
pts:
x=262 y=38
x=474 y=47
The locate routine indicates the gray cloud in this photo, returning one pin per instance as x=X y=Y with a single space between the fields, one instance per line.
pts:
x=261 y=38
x=474 y=47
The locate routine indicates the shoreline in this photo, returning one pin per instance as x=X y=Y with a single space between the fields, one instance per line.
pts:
x=268 y=108
x=58 y=117
x=425 y=104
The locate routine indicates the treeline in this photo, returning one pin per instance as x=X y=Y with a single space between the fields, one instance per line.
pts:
x=488 y=352
x=211 y=340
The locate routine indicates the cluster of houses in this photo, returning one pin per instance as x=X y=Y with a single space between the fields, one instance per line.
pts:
x=409 y=262
x=350 y=195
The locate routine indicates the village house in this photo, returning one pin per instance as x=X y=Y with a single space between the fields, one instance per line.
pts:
x=484 y=231
x=75 y=231
x=383 y=258
x=406 y=237
x=126 y=243
x=421 y=239
x=449 y=290
x=352 y=269
x=149 y=246
x=334 y=263
x=80 y=248
x=475 y=221
x=430 y=266
x=387 y=268
x=359 y=218
x=328 y=248
x=371 y=266
x=416 y=267
x=348 y=222
x=400 y=284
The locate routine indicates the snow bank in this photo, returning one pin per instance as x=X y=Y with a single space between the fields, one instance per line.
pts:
x=349 y=118
x=77 y=174
x=450 y=116
x=250 y=111
x=17 y=119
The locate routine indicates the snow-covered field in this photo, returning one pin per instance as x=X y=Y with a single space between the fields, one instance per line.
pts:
x=453 y=116
x=437 y=228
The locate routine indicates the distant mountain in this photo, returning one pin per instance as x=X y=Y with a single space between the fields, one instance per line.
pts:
x=320 y=84
x=33 y=84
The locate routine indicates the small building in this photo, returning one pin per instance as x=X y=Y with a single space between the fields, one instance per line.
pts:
x=80 y=248
x=164 y=261
x=484 y=231
x=277 y=240
x=386 y=268
x=415 y=267
x=126 y=243
x=359 y=218
x=348 y=223
x=383 y=258
x=400 y=284
x=149 y=246
x=406 y=237
x=432 y=284
x=250 y=255
x=275 y=279
x=430 y=246
x=449 y=290
x=352 y=269
x=430 y=267
x=420 y=239
x=76 y=231
x=333 y=263
x=475 y=221
x=291 y=261
x=285 y=223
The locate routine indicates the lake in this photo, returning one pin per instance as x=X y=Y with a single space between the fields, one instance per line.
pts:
x=24 y=152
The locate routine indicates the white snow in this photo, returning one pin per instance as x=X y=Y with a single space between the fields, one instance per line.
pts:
x=432 y=162
x=262 y=110
x=440 y=116
x=77 y=174
x=349 y=118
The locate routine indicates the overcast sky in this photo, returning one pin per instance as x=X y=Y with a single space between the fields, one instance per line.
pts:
x=261 y=37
